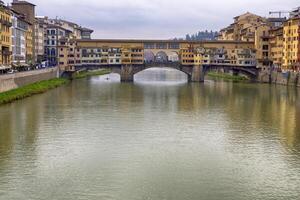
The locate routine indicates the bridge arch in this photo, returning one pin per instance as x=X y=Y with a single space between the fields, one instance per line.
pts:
x=149 y=56
x=250 y=72
x=173 y=56
x=161 y=57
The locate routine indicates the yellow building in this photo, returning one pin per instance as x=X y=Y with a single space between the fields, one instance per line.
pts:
x=68 y=54
x=29 y=45
x=126 y=55
x=262 y=46
x=187 y=56
x=276 y=46
x=291 y=44
x=6 y=34
x=137 y=55
x=243 y=28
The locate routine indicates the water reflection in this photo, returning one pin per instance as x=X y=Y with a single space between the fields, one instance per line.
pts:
x=158 y=76
x=98 y=138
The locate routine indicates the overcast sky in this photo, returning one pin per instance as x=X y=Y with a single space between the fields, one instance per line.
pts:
x=155 y=19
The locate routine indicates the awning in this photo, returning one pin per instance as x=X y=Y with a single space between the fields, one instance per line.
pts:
x=24 y=65
x=20 y=65
x=4 y=67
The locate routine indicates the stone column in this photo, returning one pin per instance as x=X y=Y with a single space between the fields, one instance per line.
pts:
x=127 y=73
x=197 y=73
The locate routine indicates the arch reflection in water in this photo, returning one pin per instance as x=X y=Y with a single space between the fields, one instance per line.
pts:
x=161 y=76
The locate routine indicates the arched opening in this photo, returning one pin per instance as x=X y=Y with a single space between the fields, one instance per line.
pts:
x=228 y=74
x=173 y=57
x=161 y=57
x=149 y=56
x=161 y=75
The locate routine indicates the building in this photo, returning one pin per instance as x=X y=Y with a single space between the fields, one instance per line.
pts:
x=68 y=54
x=57 y=35
x=295 y=13
x=227 y=33
x=39 y=41
x=276 y=46
x=30 y=51
x=243 y=28
x=291 y=44
x=19 y=39
x=276 y=22
x=54 y=34
x=27 y=9
x=86 y=33
x=77 y=31
x=262 y=46
x=245 y=57
x=6 y=34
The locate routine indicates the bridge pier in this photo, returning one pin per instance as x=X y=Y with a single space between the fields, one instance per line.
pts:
x=127 y=73
x=197 y=73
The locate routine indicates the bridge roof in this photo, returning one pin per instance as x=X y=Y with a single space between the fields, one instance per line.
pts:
x=162 y=41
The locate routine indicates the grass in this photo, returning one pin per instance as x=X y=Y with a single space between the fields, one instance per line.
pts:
x=234 y=78
x=29 y=90
x=85 y=74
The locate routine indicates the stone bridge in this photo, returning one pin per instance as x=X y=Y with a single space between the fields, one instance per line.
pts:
x=129 y=57
x=194 y=73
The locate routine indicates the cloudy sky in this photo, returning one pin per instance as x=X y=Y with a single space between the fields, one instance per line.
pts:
x=155 y=19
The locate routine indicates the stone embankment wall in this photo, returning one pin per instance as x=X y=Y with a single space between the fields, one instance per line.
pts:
x=287 y=78
x=13 y=81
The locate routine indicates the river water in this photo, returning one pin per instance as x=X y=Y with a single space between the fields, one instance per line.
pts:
x=97 y=138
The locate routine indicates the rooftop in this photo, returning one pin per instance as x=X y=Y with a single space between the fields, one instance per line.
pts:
x=22 y=2
x=161 y=41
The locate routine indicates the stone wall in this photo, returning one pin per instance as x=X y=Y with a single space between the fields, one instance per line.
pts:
x=288 y=78
x=13 y=81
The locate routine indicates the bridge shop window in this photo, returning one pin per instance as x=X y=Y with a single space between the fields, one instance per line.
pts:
x=161 y=46
x=174 y=46
x=84 y=53
x=149 y=45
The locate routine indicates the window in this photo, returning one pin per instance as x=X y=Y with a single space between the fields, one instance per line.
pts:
x=53 y=52
x=161 y=46
x=174 y=46
x=265 y=47
x=149 y=46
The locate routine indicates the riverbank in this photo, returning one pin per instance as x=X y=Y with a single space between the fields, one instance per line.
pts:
x=13 y=81
x=230 y=77
x=30 y=90
x=85 y=74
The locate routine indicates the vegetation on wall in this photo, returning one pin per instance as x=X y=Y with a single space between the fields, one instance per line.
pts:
x=32 y=89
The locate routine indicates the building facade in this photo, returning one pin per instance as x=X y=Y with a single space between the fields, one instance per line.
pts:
x=243 y=28
x=276 y=46
x=19 y=33
x=291 y=44
x=39 y=41
x=262 y=46
x=54 y=34
x=135 y=53
x=30 y=51
x=5 y=35
x=27 y=9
